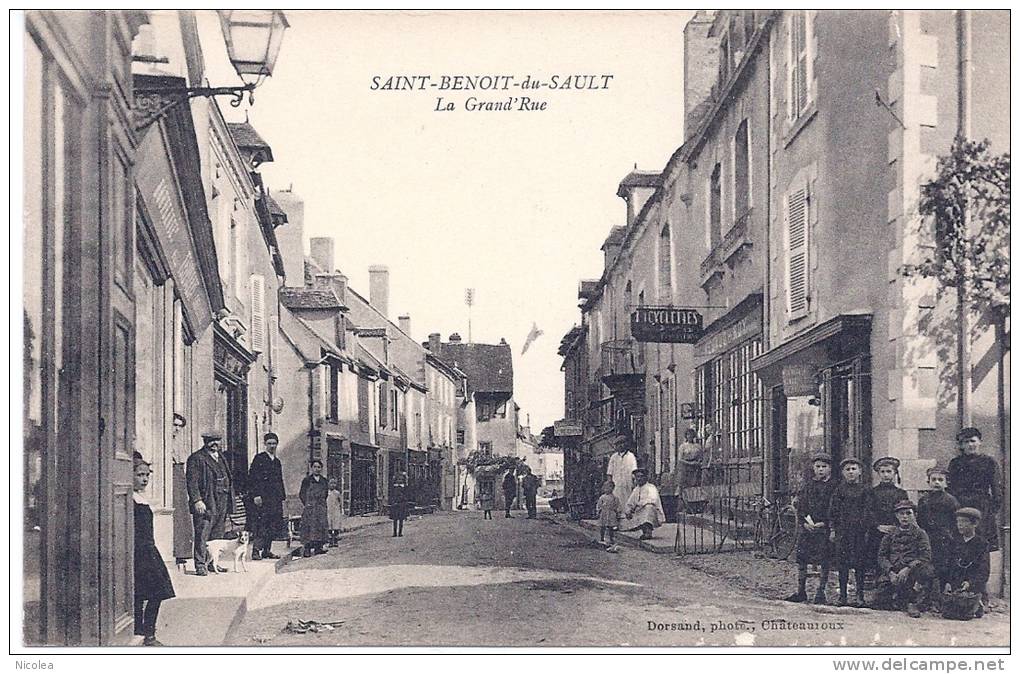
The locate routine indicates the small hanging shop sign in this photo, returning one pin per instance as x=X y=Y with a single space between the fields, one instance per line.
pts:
x=674 y=325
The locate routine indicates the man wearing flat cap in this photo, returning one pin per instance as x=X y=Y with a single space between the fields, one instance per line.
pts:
x=904 y=561
x=210 y=496
x=267 y=494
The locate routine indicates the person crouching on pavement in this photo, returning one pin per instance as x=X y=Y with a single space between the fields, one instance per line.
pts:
x=608 y=509
x=314 y=519
x=813 y=545
x=904 y=561
x=152 y=581
x=644 y=505
x=969 y=559
x=848 y=528
x=334 y=513
x=398 y=503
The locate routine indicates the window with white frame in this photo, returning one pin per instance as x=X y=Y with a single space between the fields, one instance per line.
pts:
x=798 y=65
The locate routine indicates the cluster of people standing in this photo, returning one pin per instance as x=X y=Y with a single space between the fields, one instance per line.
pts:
x=920 y=555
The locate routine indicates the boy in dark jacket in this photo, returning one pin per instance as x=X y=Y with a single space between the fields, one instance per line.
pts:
x=904 y=560
x=880 y=502
x=936 y=514
x=813 y=546
x=969 y=558
x=849 y=526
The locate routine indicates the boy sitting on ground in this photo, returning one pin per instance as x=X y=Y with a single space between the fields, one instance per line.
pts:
x=904 y=562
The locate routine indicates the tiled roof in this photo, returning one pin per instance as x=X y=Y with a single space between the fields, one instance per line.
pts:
x=616 y=236
x=275 y=210
x=309 y=298
x=246 y=137
x=639 y=179
x=489 y=367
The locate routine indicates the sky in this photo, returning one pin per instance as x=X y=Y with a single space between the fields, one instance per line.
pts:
x=514 y=204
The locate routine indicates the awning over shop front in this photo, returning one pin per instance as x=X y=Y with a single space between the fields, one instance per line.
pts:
x=835 y=340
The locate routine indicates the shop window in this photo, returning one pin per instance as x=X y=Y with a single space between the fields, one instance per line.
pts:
x=333 y=372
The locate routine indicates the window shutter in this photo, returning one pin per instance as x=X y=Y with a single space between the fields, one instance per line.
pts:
x=318 y=409
x=797 y=252
x=257 y=286
x=383 y=404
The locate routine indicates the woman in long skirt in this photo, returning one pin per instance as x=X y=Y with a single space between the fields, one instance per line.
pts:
x=314 y=517
x=152 y=582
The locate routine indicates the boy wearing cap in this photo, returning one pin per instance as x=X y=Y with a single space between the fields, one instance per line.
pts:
x=813 y=546
x=880 y=503
x=904 y=561
x=969 y=558
x=848 y=517
x=936 y=514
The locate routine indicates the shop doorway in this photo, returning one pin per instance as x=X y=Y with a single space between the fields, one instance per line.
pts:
x=363 y=480
x=231 y=416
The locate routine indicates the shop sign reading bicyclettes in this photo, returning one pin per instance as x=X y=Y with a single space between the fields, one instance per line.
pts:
x=674 y=325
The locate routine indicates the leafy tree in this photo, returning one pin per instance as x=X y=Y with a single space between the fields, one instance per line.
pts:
x=495 y=462
x=966 y=206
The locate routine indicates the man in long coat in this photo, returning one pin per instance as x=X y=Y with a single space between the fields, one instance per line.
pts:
x=530 y=486
x=621 y=471
x=210 y=496
x=267 y=494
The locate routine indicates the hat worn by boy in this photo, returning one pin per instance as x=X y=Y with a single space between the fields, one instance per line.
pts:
x=636 y=471
x=886 y=461
x=972 y=513
x=212 y=435
x=905 y=504
x=937 y=470
x=821 y=456
x=849 y=460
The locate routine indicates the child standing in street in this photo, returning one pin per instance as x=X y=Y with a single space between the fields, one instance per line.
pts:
x=848 y=518
x=813 y=546
x=881 y=505
x=936 y=514
x=608 y=508
x=152 y=581
x=334 y=513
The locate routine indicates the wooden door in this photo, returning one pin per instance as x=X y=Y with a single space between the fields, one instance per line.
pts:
x=116 y=393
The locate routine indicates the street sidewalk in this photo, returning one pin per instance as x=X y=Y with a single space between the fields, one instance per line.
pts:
x=662 y=541
x=206 y=608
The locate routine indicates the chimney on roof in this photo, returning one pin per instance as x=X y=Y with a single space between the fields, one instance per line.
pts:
x=322 y=253
x=455 y=338
x=405 y=324
x=339 y=282
x=379 y=288
x=435 y=343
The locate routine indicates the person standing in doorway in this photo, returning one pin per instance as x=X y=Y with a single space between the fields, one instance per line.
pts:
x=975 y=481
x=210 y=495
x=265 y=480
x=530 y=487
x=621 y=470
x=509 y=491
x=152 y=581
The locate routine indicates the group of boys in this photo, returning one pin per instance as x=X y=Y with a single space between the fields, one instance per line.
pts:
x=916 y=553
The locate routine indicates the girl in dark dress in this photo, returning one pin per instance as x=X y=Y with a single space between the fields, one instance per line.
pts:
x=975 y=481
x=398 y=503
x=315 y=516
x=152 y=581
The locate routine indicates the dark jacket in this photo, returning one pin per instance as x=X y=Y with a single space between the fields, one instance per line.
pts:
x=265 y=478
x=969 y=562
x=881 y=501
x=814 y=499
x=509 y=483
x=209 y=481
x=530 y=485
x=975 y=481
x=848 y=517
x=936 y=514
x=903 y=547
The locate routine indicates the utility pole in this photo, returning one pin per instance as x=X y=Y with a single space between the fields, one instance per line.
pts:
x=469 y=300
x=963 y=405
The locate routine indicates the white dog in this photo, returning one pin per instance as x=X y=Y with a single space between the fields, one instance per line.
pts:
x=238 y=547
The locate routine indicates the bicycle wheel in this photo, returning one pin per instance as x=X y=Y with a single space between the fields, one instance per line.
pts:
x=784 y=537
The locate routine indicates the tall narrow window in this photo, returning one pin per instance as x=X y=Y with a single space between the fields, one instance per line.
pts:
x=797 y=232
x=257 y=287
x=799 y=63
x=383 y=403
x=665 y=267
x=334 y=392
x=715 y=206
x=724 y=60
x=741 y=173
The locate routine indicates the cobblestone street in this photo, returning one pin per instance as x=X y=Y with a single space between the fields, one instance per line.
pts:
x=456 y=579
